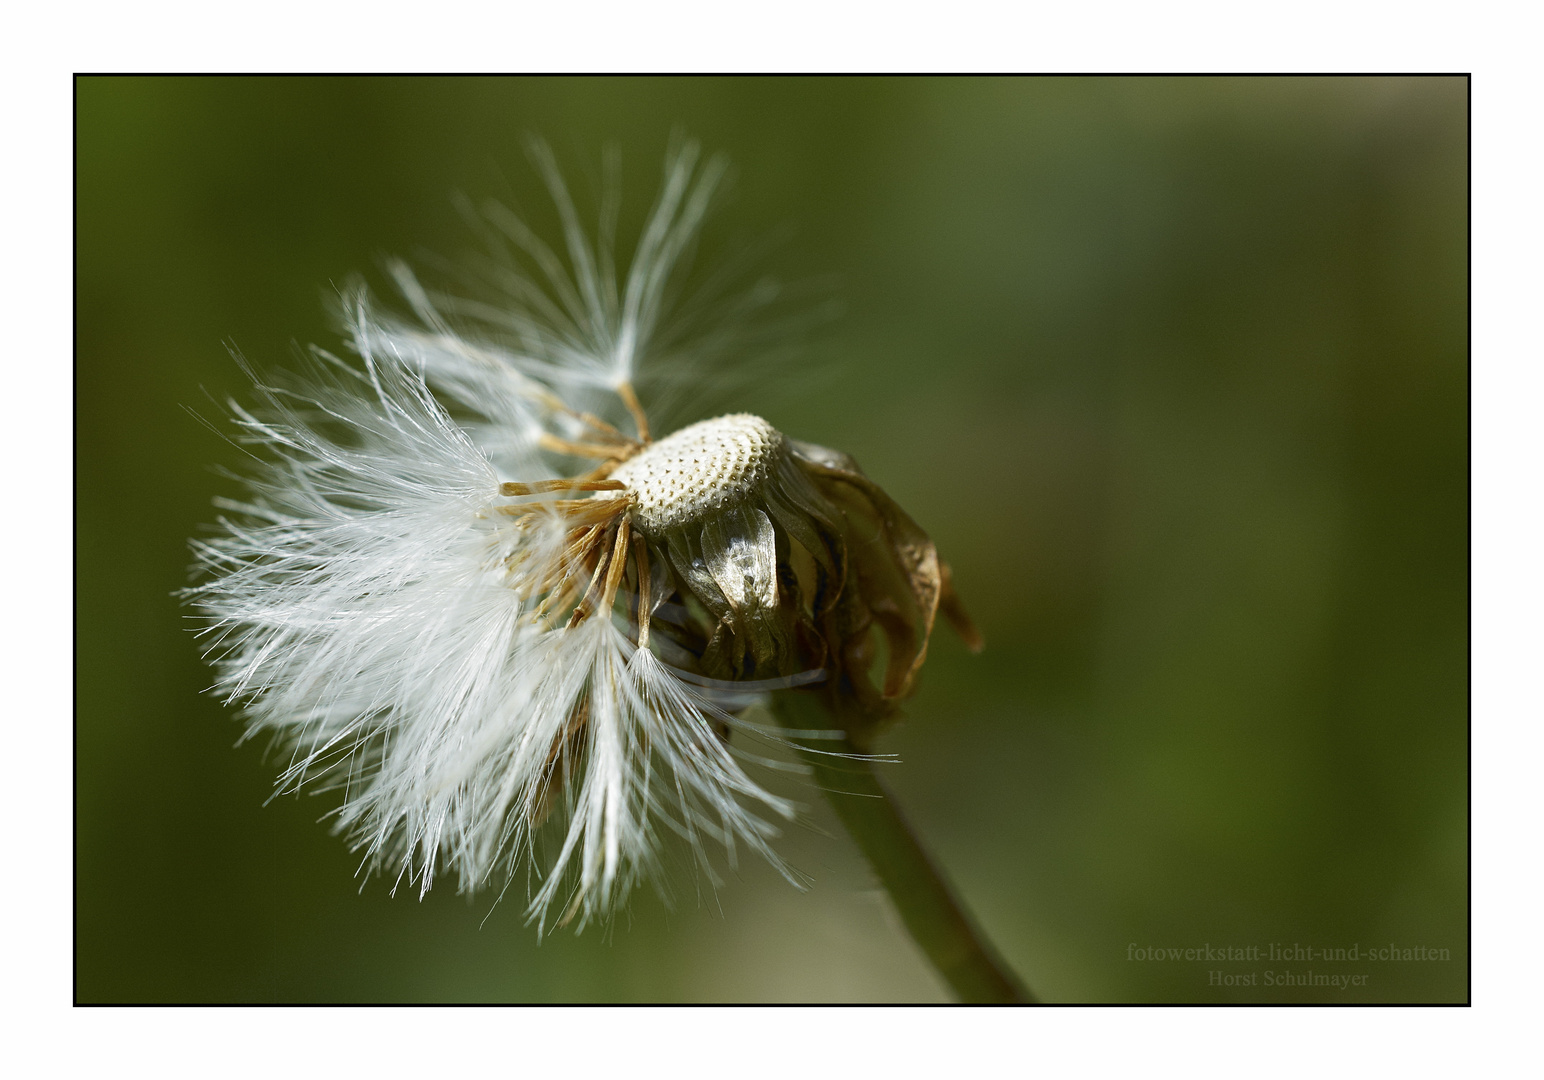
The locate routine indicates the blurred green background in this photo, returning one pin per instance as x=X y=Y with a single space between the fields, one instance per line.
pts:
x=1174 y=371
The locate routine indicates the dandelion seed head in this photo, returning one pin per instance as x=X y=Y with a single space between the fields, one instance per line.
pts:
x=468 y=590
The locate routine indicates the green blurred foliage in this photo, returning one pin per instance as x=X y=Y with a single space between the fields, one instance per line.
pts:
x=1175 y=372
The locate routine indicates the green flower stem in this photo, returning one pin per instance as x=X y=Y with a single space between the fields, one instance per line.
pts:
x=936 y=919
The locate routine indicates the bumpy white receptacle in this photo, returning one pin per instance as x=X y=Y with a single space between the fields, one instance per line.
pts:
x=700 y=470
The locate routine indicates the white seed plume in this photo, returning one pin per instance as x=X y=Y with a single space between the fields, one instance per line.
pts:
x=381 y=604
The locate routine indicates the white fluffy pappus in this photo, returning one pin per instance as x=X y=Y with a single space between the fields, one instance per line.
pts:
x=431 y=624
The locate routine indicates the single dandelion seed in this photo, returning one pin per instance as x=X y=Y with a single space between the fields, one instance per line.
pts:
x=469 y=588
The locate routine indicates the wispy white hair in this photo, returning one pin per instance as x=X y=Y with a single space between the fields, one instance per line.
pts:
x=573 y=324
x=363 y=603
